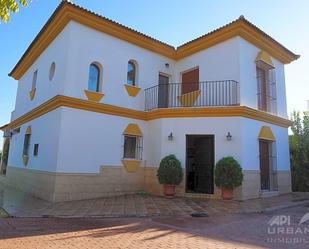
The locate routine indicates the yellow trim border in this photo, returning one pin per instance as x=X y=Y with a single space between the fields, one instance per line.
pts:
x=265 y=57
x=184 y=112
x=29 y=130
x=131 y=165
x=32 y=93
x=133 y=129
x=266 y=134
x=93 y=96
x=67 y=12
x=132 y=90
x=25 y=160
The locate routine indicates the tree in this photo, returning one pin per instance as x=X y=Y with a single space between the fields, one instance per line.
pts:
x=4 y=156
x=299 y=151
x=8 y=6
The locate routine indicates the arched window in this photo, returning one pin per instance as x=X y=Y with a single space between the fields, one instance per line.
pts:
x=94 y=78
x=131 y=79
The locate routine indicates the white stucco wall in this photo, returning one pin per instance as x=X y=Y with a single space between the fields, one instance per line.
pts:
x=88 y=46
x=89 y=140
x=220 y=62
x=79 y=141
x=248 y=86
x=56 y=52
x=180 y=127
x=77 y=46
x=45 y=132
x=250 y=130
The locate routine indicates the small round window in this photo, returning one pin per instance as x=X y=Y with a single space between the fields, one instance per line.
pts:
x=52 y=71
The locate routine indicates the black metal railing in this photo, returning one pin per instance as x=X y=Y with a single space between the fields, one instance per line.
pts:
x=196 y=94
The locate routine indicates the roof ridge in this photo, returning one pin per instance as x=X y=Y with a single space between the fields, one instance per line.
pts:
x=117 y=23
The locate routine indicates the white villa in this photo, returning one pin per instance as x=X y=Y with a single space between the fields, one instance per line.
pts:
x=99 y=105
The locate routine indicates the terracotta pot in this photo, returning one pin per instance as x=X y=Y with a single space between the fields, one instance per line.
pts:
x=169 y=190
x=227 y=193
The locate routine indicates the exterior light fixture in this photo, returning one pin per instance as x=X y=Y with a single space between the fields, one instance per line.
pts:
x=170 y=137
x=167 y=65
x=229 y=136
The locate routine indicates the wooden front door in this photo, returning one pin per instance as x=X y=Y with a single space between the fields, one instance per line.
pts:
x=163 y=91
x=190 y=81
x=200 y=164
x=264 y=165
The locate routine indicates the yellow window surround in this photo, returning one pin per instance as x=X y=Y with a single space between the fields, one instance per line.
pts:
x=26 y=157
x=25 y=160
x=131 y=165
x=266 y=134
x=32 y=93
x=189 y=99
x=28 y=130
x=93 y=96
x=264 y=57
x=133 y=130
x=132 y=90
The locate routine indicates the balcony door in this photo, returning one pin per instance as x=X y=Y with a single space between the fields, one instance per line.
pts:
x=190 y=81
x=262 y=89
x=163 y=91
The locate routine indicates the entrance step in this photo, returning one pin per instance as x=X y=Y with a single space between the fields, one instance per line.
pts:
x=266 y=194
x=200 y=196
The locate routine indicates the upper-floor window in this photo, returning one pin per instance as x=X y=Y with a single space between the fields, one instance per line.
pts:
x=131 y=77
x=266 y=84
x=34 y=79
x=94 y=78
x=52 y=70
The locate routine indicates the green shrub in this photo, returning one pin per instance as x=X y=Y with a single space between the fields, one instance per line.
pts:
x=228 y=173
x=170 y=171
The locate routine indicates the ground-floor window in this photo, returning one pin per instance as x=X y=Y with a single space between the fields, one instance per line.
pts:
x=132 y=148
x=268 y=165
x=26 y=144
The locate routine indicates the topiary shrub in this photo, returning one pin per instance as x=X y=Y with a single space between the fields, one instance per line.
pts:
x=170 y=171
x=228 y=173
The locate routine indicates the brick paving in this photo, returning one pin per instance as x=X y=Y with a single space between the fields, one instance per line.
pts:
x=19 y=204
x=222 y=232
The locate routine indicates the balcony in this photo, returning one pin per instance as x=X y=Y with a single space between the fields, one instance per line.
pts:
x=196 y=94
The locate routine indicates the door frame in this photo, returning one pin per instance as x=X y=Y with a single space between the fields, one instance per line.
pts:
x=169 y=78
x=213 y=159
x=269 y=148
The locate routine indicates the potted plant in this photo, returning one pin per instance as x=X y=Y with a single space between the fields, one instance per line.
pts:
x=228 y=175
x=170 y=174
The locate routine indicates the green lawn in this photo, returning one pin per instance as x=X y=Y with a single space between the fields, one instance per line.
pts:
x=3 y=214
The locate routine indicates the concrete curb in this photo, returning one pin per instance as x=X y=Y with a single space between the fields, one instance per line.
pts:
x=295 y=204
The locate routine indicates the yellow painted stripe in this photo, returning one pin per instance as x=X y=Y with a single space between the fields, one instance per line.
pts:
x=183 y=112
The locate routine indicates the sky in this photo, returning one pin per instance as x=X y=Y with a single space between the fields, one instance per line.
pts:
x=174 y=22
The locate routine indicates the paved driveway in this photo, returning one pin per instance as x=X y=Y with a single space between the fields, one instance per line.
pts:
x=19 y=204
x=224 y=231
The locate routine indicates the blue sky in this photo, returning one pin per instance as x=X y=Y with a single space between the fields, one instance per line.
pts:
x=174 y=22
